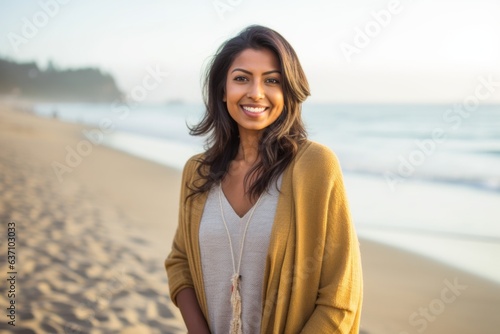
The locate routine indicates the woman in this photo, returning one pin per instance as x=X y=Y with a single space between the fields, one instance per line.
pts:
x=265 y=242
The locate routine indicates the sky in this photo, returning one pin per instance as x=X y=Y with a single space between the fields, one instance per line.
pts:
x=353 y=51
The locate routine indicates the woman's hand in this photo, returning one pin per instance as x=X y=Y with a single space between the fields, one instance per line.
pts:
x=191 y=312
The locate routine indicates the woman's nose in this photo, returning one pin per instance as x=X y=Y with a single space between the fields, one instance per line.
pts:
x=256 y=91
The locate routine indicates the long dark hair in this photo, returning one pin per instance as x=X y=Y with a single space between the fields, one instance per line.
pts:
x=279 y=142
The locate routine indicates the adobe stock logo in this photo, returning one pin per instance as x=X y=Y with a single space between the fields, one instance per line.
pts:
x=421 y=318
x=223 y=6
x=371 y=30
x=31 y=27
x=452 y=120
x=120 y=110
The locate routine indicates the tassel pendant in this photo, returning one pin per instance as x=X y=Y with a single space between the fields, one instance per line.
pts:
x=236 y=327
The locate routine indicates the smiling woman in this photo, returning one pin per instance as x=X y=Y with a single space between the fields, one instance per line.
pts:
x=265 y=242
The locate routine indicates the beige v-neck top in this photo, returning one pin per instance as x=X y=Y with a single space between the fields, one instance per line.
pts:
x=217 y=263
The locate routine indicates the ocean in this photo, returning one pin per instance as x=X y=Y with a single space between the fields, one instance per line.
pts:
x=424 y=178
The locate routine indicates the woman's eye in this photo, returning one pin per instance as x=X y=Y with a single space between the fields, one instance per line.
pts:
x=273 y=81
x=240 y=79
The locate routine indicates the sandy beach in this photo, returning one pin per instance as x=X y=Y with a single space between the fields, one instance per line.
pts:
x=91 y=236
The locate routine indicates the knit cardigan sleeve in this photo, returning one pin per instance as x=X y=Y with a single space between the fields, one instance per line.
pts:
x=339 y=295
x=177 y=264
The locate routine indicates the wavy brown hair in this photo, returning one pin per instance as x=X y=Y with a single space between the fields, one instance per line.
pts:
x=279 y=142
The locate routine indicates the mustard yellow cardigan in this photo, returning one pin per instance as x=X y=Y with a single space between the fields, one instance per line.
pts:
x=313 y=279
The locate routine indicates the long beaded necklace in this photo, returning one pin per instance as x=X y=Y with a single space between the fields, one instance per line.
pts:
x=236 y=325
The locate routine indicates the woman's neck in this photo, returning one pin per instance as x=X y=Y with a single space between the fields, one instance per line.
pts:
x=248 y=151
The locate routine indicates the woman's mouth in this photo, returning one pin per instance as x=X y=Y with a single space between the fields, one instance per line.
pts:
x=253 y=110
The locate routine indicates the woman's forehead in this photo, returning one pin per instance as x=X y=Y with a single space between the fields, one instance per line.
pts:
x=262 y=60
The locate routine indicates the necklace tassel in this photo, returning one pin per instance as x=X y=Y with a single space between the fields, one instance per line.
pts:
x=236 y=305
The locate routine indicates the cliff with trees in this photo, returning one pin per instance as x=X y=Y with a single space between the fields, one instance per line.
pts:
x=27 y=80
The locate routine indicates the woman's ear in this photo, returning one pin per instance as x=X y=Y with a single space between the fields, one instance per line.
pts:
x=224 y=97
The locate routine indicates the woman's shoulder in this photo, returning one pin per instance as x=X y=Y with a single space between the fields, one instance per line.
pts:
x=315 y=156
x=316 y=168
x=194 y=160
x=192 y=164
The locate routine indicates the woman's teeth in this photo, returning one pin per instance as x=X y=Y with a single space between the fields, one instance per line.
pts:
x=256 y=110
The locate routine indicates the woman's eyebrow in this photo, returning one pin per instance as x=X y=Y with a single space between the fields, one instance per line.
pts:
x=250 y=73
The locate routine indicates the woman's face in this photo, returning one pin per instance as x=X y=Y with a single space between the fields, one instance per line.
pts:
x=254 y=95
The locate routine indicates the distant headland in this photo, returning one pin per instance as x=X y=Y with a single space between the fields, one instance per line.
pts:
x=29 y=81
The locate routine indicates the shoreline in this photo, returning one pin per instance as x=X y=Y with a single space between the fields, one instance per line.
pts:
x=136 y=201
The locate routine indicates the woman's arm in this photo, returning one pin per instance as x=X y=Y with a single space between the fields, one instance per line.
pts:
x=191 y=312
x=180 y=280
x=340 y=290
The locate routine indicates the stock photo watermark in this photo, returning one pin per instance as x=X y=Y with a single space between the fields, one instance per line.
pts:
x=31 y=26
x=11 y=274
x=453 y=118
x=94 y=137
x=363 y=36
x=224 y=6
x=421 y=318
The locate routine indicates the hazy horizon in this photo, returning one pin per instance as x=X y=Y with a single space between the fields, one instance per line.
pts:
x=352 y=52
